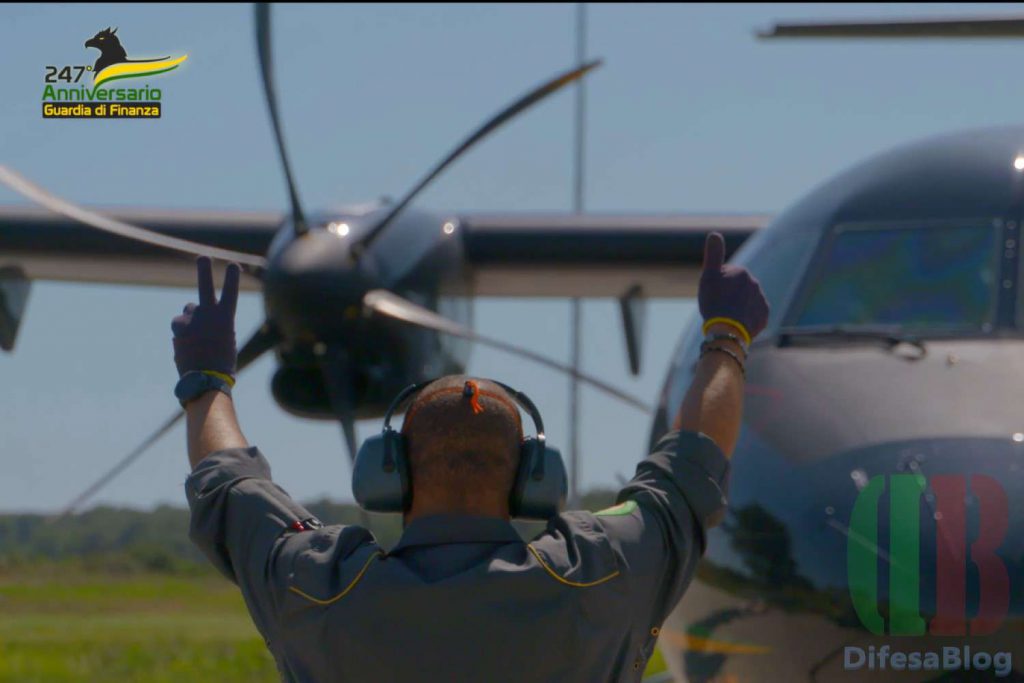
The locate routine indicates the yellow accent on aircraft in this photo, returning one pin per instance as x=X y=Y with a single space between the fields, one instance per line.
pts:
x=133 y=69
x=685 y=641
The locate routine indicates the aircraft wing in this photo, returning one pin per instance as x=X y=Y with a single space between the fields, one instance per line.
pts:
x=48 y=246
x=594 y=255
x=509 y=254
x=630 y=257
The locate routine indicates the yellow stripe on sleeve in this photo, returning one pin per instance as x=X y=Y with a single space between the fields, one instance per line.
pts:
x=562 y=579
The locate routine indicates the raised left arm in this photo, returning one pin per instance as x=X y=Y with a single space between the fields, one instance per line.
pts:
x=212 y=426
x=206 y=357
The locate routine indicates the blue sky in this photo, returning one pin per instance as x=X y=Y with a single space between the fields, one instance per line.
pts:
x=689 y=113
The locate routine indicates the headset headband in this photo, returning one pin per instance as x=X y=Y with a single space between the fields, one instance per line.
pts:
x=521 y=399
x=381 y=477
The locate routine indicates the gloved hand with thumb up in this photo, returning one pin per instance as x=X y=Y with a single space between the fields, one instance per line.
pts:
x=729 y=294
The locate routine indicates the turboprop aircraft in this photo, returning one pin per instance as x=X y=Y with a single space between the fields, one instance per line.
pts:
x=876 y=529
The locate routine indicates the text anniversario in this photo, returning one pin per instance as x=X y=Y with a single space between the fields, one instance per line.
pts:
x=101 y=103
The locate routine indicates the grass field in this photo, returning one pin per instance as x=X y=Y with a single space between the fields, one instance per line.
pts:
x=59 y=626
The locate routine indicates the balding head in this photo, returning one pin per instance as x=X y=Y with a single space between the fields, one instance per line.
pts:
x=463 y=449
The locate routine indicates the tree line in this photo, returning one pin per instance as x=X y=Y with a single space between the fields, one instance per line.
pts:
x=117 y=539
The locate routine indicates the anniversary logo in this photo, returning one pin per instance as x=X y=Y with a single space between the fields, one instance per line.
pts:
x=65 y=97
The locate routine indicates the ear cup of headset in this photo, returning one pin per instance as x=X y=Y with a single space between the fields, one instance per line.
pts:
x=380 y=478
x=541 y=485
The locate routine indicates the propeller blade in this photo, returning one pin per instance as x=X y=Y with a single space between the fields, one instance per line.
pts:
x=348 y=428
x=43 y=197
x=576 y=315
x=120 y=466
x=263 y=47
x=258 y=343
x=336 y=366
x=967 y=27
x=383 y=302
x=261 y=340
x=509 y=112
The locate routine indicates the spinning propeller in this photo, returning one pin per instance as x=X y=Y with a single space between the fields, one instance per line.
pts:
x=965 y=27
x=336 y=364
x=263 y=47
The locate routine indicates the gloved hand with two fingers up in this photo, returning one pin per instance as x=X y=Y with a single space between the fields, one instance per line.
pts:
x=729 y=294
x=204 y=336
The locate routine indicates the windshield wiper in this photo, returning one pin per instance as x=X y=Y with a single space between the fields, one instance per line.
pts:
x=891 y=335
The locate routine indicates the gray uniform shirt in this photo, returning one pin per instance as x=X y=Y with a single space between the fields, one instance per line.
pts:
x=462 y=598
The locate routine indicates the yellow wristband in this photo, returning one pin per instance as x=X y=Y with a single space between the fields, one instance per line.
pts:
x=728 y=321
x=221 y=376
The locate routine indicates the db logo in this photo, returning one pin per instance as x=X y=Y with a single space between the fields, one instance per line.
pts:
x=951 y=555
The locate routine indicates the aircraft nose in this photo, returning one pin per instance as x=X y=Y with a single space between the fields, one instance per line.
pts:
x=913 y=545
x=313 y=288
x=945 y=519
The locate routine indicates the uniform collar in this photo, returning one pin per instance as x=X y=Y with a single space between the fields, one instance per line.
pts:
x=444 y=529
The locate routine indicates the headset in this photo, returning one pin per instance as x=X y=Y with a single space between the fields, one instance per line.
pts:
x=380 y=478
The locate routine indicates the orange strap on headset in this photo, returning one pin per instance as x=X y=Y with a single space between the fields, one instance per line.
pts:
x=472 y=392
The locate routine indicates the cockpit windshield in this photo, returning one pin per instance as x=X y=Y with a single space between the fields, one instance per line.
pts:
x=931 y=279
